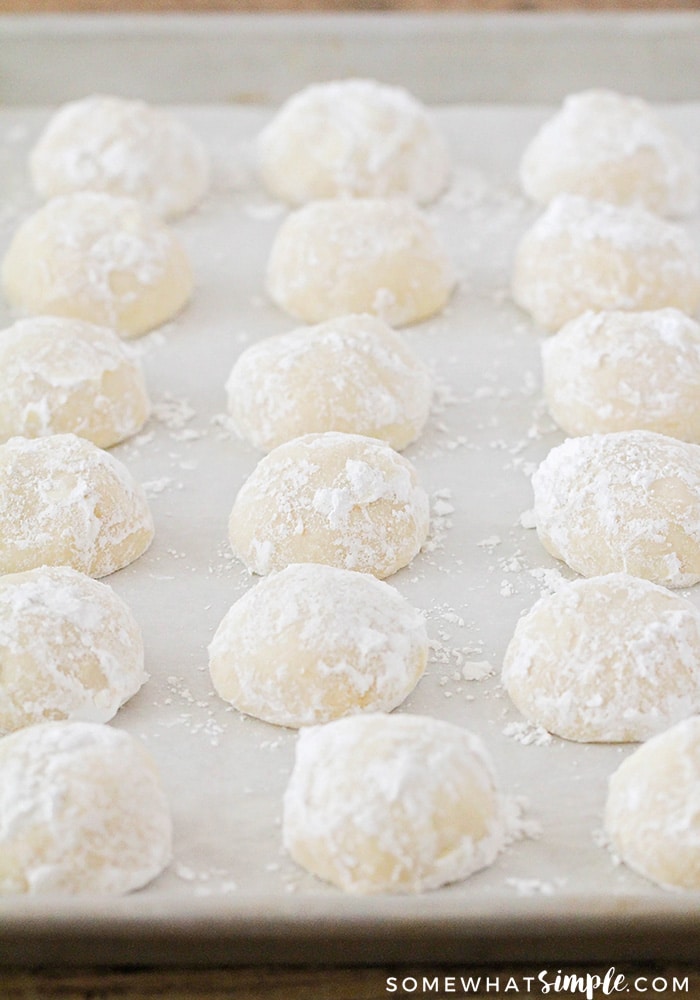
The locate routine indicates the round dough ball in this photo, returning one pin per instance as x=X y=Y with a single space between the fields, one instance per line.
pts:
x=82 y=810
x=70 y=648
x=652 y=812
x=122 y=147
x=606 y=660
x=611 y=147
x=66 y=502
x=344 y=500
x=313 y=643
x=100 y=258
x=353 y=138
x=622 y=502
x=616 y=371
x=583 y=254
x=352 y=374
x=392 y=803
x=380 y=256
x=60 y=375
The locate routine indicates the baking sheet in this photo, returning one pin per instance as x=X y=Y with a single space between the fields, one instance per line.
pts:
x=231 y=894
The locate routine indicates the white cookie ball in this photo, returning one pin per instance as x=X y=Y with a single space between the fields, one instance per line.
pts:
x=611 y=147
x=380 y=256
x=352 y=374
x=61 y=375
x=615 y=371
x=392 y=803
x=627 y=501
x=97 y=257
x=70 y=648
x=344 y=500
x=64 y=501
x=122 y=147
x=356 y=138
x=313 y=643
x=82 y=810
x=652 y=811
x=611 y=659
x=583 y=254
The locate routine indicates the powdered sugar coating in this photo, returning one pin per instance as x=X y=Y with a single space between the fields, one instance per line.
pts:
x=339 y=499
x=70 y=648
x=338 y=256
x=356 y=138
x=611 y=147
x=582 y=254
x=313 y=643
x=64 y=501
x=652 y=811
x=82 y=810
x=622 y=502
x=610 y=659
x=352 y=374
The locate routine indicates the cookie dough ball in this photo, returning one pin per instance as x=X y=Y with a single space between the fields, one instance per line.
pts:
x=611 y=147
x=380 y=256
x=583 y=254
x=615 y=371
x=70 y=648
x=355 y=138
x=122 y=147
x=622 y=502
x=82 y=809
x=606 y=660
x=313 y=643
x=392 y=803
x=60 y=375
x=352 y=374
x=66 y=502
x=652 y=812
x=343 y=500
x=97 y=257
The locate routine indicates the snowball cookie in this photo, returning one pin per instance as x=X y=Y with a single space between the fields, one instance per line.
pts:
x=344 y=500
x=312 y=643
x=82 y=810
x=351 y=374
x=652 y=812
x=583 y=254
x=353 y=138
x=97 y=257
x=616 y=370
x=622 y=502
x=402 y=803
x=611 y=147
x=66 y=502
x=611 y=659
x=123 y=147
x=375 y=255
x=61 y=375
x=70 y=648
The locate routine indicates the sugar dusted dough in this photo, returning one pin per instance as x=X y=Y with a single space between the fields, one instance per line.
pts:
x=313 y=643
x=64 y=501
x=97 y=257
x=392 y=803
x=60 y=375
x=375 y=255
x=82 y=809
x=352 y=374
x=70 y=648
x=627 y=501
x=652 y=811
x=356 y=138
x=344 y=500
x=610 y=659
